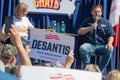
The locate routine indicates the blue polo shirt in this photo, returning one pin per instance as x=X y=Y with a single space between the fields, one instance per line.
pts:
x=101 y=34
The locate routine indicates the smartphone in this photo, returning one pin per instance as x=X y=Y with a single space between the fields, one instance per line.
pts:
x=8 y=22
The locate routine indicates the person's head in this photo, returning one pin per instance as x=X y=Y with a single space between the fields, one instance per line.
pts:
x=1 y=47
x=92 y=67
x=96 y=10
x=113 y=75
x=21 y=10
x=8 y=55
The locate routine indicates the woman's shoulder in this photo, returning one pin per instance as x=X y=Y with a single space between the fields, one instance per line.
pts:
x=25 y=18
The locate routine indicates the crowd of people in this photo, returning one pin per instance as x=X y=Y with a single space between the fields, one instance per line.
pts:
x=97 y=31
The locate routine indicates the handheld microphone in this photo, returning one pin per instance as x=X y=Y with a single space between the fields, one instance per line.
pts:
x=95 y=31
x=96 y=18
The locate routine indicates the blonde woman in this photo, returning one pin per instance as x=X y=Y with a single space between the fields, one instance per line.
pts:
x=113 y=75
x=22 y=23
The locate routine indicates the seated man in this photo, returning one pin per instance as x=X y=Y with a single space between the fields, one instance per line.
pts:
x=98 y=33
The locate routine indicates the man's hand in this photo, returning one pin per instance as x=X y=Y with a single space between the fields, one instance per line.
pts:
x=70 y=57
x=110 y=47
x=94 y=25
x=14 y=36
x=69 y=60
x=3 y=36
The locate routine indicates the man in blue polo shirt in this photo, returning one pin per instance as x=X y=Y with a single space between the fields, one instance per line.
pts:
x=98 y=34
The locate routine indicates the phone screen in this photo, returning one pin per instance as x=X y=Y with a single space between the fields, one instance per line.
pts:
x=8 y=22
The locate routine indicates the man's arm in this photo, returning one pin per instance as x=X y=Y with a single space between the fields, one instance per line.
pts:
x=109 y=44
x=16 y=40
x=84 y=30
x=110 y=40
x=23 y=56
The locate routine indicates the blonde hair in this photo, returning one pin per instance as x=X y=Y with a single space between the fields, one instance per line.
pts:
x=92 y=67
x=113 y=75
x=20 y=9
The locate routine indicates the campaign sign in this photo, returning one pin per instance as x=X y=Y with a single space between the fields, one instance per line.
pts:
x=52 y=73
x=51 y=6
x=50 y=46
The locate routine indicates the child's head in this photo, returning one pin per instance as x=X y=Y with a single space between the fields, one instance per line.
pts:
x=113 y=75
x=21 y=10
x=92 y=67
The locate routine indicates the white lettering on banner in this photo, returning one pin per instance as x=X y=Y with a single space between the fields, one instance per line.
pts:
x=50 y=46
x=50 y=73
x=51 y=6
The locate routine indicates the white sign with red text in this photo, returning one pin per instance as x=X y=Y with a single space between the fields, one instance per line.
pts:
x=52 y=73
x=50 y=46
x=51 y=6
